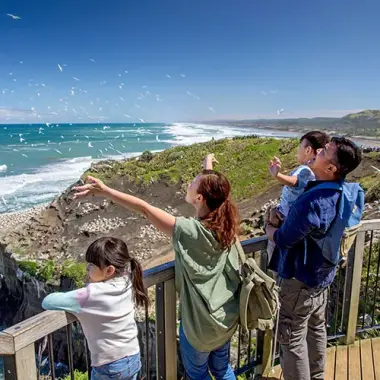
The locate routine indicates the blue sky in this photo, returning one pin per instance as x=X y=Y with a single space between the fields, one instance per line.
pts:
x=240 y=59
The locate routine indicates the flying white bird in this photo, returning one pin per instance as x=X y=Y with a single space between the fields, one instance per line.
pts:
x=69 y=149
x=86 y=137
x=142 y=120
x=58 y=151
x=21 y=139
x=211 y=109
x=62 y=137
x=127 y=116
x=373 y=167
x=5 y=203
x=106 y=127
x=157 y=138
x=14 y=16
x=183 y=75
x=24 y=155
x=60 y=67
x=90 y=145
x=279 y=112
x=75 y=78
x=168 y=76
x=92 y=60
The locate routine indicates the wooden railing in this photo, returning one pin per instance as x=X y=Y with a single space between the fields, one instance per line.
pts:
x=17 y=343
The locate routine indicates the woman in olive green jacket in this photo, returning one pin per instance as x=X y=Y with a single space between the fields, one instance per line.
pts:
x=206 y=267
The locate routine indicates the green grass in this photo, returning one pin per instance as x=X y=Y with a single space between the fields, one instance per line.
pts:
x=77 y=376
x=371 y=185
x=28 y=267
x=244 y=161
x=75 y=271
x=49 y=271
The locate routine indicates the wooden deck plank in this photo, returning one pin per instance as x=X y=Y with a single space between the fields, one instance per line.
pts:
x=341 y=363
x=330 y=363
x=366 y=359
x=354 y=362
x=376 y=356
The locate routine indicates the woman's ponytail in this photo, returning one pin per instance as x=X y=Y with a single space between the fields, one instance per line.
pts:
x=223 y=218
x=140 y=293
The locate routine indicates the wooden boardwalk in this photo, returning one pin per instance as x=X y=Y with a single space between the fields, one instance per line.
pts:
x=360 y=361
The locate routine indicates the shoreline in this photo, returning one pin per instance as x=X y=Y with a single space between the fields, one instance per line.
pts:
x=14 y=218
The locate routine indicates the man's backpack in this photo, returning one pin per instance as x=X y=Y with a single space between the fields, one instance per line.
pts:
x=347 y=221
x=258 y=302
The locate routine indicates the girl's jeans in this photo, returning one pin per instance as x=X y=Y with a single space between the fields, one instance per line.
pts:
x=123 y=369
x=198 y=365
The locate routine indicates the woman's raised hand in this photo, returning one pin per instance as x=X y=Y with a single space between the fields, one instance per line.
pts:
x=209 y=161
x=93 y=186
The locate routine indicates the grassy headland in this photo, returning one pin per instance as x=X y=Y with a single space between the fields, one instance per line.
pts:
x=243 y=160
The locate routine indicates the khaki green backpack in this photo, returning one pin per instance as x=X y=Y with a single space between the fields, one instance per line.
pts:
x=259 y=302
x=259 y=306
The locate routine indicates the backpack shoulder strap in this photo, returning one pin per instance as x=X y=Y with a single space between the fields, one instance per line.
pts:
x=240 y=250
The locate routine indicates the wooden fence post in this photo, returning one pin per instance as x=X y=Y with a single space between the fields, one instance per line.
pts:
x=352 y=290
x=22 y=365
x=170 y=329
x=160 y=332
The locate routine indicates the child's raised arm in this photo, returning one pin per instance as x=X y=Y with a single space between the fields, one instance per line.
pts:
x=274 y=170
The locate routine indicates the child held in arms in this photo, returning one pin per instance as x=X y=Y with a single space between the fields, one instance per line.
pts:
x=294 y=183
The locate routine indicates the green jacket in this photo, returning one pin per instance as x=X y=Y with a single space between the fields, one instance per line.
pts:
x=208 y=283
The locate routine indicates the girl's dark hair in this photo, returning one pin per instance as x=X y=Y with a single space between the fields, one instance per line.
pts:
x=112 y=251
x=316 y=139
x=223 y=218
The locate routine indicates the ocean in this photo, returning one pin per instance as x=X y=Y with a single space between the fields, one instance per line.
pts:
x=39 y=161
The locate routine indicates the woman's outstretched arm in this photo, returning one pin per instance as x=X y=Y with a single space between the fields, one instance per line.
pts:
x=161 y=219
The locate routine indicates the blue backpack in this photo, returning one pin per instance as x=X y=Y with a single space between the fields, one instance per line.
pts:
x=347 y=221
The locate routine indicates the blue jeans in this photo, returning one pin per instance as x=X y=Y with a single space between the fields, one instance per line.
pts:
x=198 y=365
x=123 y=369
